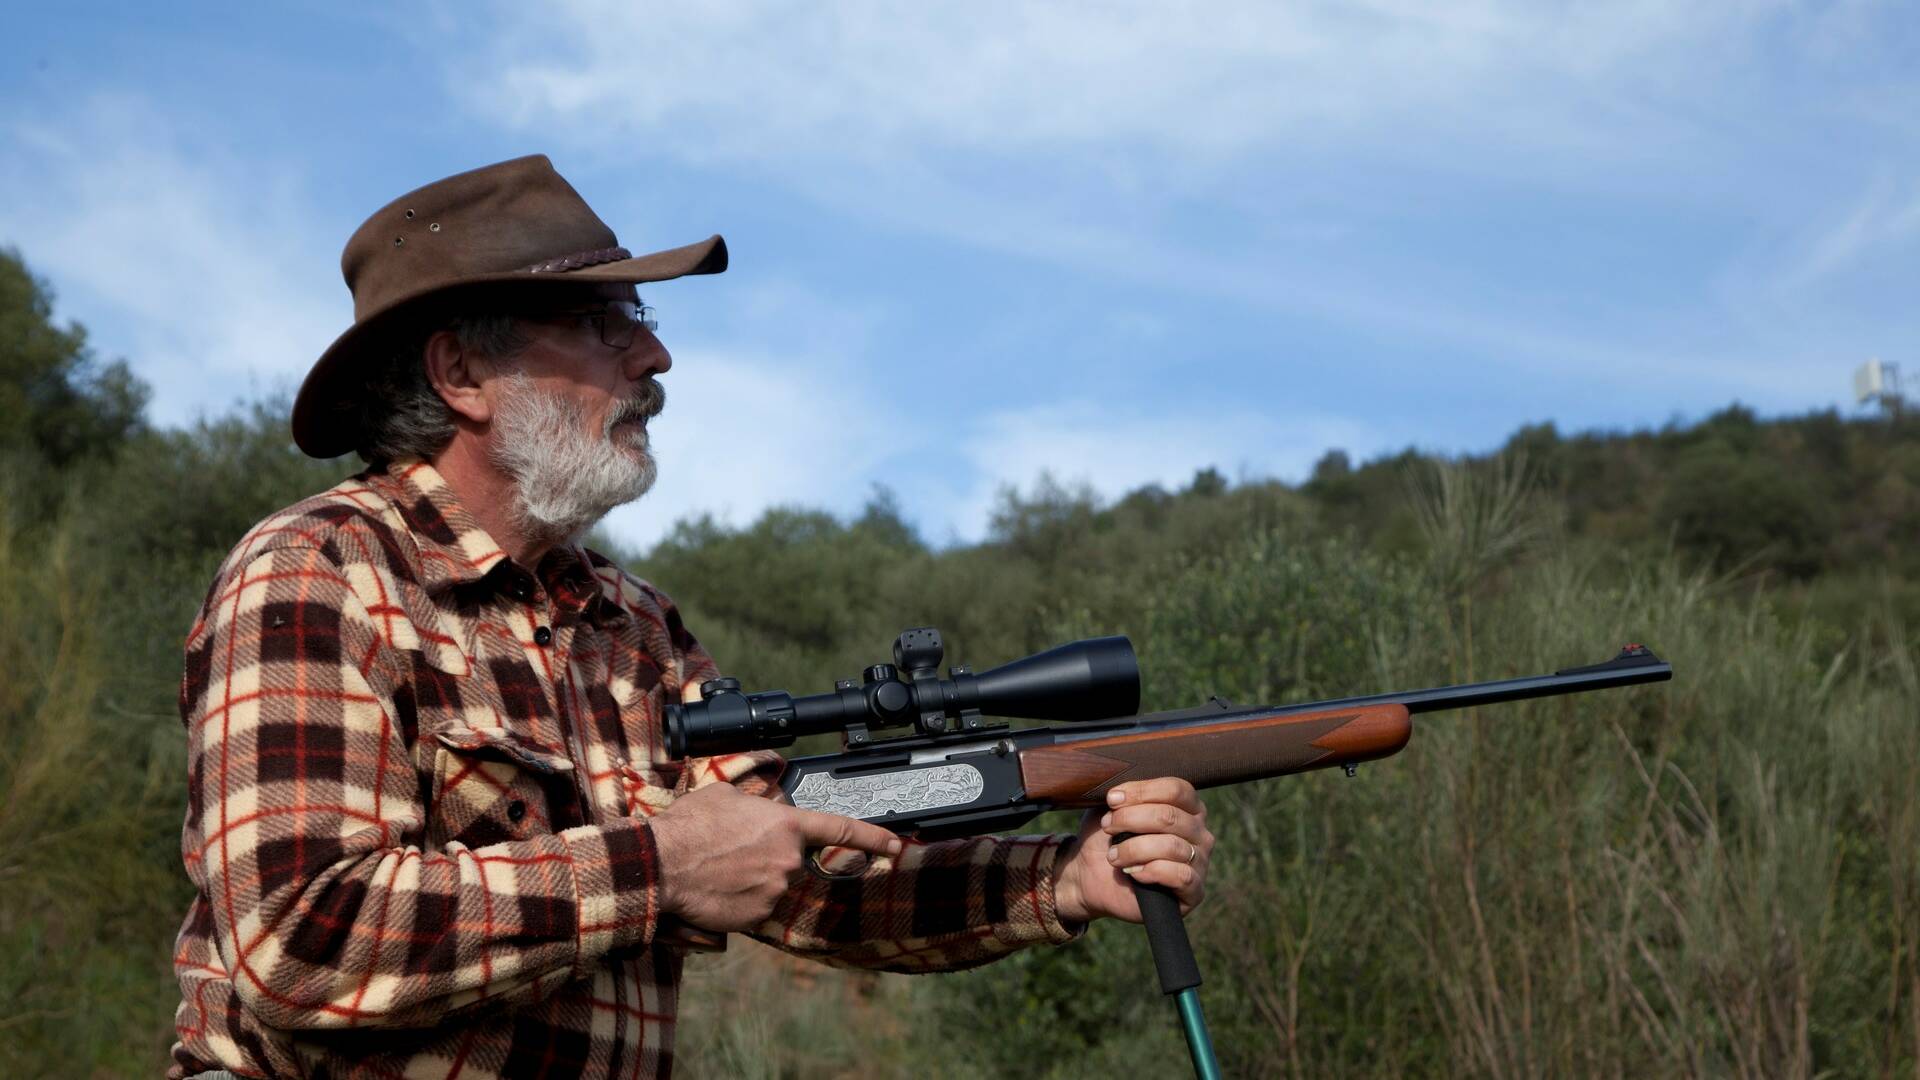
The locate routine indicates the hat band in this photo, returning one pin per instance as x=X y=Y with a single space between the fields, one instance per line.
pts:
x=579 y=259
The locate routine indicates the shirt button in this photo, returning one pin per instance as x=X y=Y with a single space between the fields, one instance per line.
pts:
x=516 y=810
x=543 y=637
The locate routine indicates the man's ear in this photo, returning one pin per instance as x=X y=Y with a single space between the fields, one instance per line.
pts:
x=455 y=374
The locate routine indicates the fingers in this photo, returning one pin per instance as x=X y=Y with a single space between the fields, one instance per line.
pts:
x=1188 y=883
x=1168 y=842
x=824 y=830
x=1148 y=818
x=1165 y=789
x=1141 y=850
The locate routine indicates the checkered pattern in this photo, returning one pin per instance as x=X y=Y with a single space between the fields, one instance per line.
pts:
x=419 y=778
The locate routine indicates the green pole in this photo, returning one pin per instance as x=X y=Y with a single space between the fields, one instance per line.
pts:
x=1199 y=1044
x=1179 y=972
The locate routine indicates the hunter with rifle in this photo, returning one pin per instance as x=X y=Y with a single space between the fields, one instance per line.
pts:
x=462 y=793
x=431 y=820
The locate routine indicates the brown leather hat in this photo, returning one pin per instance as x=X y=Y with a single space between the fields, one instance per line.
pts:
x=518 y=222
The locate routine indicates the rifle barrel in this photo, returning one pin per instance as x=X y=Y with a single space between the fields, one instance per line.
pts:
x=1633 y=666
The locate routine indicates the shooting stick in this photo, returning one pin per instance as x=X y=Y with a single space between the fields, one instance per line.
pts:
x=1179 y=971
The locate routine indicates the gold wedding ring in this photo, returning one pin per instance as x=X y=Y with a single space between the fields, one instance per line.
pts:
x=1193 y=852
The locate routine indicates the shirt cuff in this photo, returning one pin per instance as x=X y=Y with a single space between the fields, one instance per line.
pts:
x=1031 y=918
x=616 y=878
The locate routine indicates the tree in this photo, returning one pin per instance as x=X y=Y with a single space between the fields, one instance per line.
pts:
x=1333 y=467
x=59 y=405
x=1208 y=481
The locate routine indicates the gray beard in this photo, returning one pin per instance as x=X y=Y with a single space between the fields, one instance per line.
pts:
x=564 y=479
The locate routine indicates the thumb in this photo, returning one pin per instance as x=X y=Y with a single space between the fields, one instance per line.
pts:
x=825 y=830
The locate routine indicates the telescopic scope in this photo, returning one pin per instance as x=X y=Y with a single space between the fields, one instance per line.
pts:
x=1083 y=680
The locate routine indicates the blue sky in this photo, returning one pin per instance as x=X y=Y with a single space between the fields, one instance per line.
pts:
x=974 y=241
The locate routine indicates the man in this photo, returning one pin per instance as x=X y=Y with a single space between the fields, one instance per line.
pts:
x=431 y=822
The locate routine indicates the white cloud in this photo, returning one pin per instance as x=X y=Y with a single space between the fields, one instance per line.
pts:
x=202 y=269
x=778 y=80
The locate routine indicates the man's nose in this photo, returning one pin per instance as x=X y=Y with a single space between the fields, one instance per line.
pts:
x=646 y=356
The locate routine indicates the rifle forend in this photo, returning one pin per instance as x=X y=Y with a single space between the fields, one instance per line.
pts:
x=1214 y=751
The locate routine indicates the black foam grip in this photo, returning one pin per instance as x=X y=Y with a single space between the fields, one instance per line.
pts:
x=1167 y=936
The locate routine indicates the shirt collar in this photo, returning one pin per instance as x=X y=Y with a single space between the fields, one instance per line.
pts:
x=455 y=551
x=567 y=573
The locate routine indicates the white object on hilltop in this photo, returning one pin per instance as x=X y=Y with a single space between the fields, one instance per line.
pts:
x=1869 y=381
x=1879 y=382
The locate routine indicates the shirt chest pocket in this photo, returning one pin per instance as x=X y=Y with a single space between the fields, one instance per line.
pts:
x=648 y=779
x=648 y=787
x=491 y=786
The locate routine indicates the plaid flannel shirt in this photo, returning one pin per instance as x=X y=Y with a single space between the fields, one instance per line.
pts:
x=419 y=778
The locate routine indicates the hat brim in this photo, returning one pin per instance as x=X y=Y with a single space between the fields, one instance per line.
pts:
x=326 y=412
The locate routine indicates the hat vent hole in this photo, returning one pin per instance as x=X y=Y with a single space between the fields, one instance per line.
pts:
x=409 y=215
x=435 y=227
x=398 y=240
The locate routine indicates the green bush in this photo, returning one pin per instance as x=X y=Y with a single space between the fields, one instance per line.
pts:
x=1726 y=506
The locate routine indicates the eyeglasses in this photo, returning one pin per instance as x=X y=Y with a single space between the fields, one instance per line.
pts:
x=616 y=320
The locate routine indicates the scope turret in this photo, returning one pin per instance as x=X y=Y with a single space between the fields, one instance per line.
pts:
x=1082 y=680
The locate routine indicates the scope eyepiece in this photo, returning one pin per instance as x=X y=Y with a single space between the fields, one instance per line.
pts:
x=726 y=717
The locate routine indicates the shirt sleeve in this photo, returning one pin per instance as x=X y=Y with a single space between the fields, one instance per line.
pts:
x=937 y=907
x=306 y=823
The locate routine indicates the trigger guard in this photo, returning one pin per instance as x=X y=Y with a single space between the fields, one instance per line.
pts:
x=821 y=872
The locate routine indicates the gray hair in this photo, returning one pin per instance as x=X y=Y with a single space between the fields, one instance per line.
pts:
x=401 y=414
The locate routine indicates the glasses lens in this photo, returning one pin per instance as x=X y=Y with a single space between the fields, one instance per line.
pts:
x=617 y=326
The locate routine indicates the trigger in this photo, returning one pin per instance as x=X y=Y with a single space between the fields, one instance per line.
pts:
x=837 y=864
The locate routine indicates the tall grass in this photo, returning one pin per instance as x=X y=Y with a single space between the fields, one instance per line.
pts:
x=85 y=896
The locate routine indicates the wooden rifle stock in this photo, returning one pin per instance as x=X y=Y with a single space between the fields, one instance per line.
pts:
x=1079 y=773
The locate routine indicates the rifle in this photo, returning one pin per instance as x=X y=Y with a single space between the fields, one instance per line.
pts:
x=961 y=773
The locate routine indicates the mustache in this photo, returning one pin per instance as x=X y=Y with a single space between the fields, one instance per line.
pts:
x=644 y=405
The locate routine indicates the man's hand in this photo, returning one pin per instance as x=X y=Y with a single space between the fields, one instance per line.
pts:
x=1170 y=847
x=727 y=857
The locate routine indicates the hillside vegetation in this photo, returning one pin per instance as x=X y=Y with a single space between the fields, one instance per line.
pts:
x=1717 y=876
